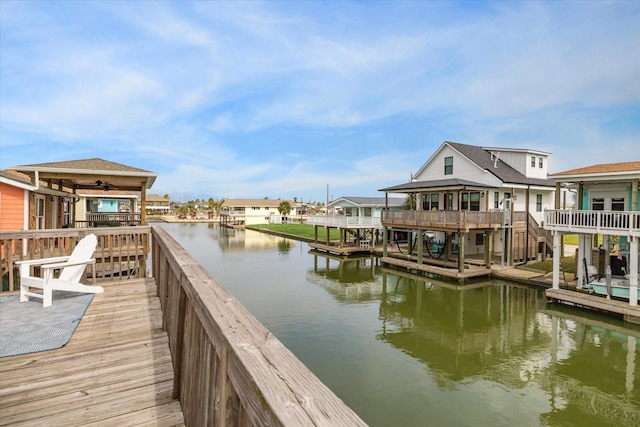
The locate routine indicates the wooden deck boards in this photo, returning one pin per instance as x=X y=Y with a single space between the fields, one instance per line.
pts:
x=116 y=370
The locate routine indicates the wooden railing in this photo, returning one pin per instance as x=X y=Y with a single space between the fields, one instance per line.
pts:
x=626 y=223
x=343 y=221
x=442 y=220
x=228 y=368
x=121 y=252
x=113 y=219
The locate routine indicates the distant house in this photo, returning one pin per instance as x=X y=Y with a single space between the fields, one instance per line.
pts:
x=476 y=200
x=358 y=220
x=241 y=212
x=157 y=205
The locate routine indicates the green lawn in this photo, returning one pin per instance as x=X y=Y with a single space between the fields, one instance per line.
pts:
x=301 y=230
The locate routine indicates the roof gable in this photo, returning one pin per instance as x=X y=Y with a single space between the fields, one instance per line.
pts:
x=485 y=160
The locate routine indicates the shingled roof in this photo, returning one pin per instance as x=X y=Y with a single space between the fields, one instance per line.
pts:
x=90 y=173
x=603 y=168
x=482 y=157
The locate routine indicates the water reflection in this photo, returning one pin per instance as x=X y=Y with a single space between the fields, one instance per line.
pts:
x=407 y=350
x=498 y=332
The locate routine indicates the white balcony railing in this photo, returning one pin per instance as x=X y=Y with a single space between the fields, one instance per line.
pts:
x=342 y=221
x=626 y=223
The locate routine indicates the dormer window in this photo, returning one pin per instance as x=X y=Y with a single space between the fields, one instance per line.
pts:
x=448 y=165
x=540 y=162
x=533 y=161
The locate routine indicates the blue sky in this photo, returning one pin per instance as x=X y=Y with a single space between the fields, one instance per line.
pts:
x=280 y=99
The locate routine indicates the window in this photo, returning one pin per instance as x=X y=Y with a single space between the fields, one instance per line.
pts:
x=448 y=165
x=540 y=162
x=475 y=201
x=40 y=210
x=367 y=212
x=617 y=204
x=597 y=204
x=507 y=201
x=533 y=161
x=470 y=201
x=450 y=201
x=430 y=202
x=479 y=239
x=538 y=202
x=66 y=216
x=496 y=200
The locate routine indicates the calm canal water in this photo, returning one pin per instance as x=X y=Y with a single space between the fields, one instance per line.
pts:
x=403 y=350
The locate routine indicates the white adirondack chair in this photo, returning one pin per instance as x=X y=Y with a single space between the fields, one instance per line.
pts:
x=71 y=270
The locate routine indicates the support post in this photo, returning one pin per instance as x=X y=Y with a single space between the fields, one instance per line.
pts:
x=385 y=241
x=463 y=238
x=556 y=260
x=633 y=270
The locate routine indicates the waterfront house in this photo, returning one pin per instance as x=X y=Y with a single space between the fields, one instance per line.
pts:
x=358 y=220
x=242 y=212
x=607 y=205
x=156 y=205
x=471 y=203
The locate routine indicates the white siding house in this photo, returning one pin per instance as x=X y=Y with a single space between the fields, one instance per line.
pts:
x=465 y=194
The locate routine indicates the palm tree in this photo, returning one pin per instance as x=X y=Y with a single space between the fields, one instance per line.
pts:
x=284 y=207
x=214 y=206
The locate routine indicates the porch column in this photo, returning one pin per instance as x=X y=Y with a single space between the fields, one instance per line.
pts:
x=463 y=239
x=633 y=270
x=584 y=243
x=634 y=195
x=143 y=204
x=556 y=260
x=447 y=246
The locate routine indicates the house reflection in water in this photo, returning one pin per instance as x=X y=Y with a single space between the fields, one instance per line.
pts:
x=500 y=333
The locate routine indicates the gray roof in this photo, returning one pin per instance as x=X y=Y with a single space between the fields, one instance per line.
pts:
x=503 y=172
x=442 y=183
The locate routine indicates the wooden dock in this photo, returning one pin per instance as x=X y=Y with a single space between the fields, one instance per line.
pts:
x=445 y=269
x=115 y=370
x=344 y=250
x=628 y=312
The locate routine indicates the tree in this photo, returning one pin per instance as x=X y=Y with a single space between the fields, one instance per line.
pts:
x=214 y=206
x=284 y=207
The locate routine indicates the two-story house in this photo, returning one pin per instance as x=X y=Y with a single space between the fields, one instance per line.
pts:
x=243 y=212
x=469 y=204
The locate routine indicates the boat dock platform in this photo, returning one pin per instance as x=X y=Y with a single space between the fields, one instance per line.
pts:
x=630 y=313
x=441 y=268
